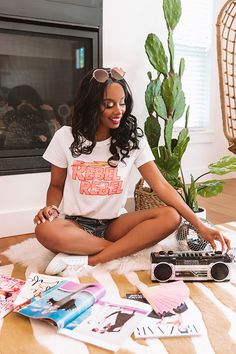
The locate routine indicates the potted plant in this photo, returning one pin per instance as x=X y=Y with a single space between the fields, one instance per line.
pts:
x=209 y=188
x=165 y=99
x=165 y=102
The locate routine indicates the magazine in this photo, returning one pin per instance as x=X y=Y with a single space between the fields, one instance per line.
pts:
x=9 y=289
x=176 y=323
x=82 y=311
x=35 y=285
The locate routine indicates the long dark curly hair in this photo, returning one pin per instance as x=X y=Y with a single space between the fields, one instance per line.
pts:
x=86 y=116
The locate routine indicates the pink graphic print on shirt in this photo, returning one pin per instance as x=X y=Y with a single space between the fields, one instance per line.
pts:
x=97 y=178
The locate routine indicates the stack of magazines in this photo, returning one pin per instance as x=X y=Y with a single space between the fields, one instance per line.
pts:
x=85 y=312
x=80 y=310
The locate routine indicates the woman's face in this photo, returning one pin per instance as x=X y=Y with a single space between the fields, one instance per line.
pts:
x=112 y=110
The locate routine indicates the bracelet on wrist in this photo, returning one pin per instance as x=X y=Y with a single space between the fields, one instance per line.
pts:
x=55 y=208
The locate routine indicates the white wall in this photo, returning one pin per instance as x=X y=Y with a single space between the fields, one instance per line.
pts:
x=126 y=48
x=20 y=197
x=126 y=26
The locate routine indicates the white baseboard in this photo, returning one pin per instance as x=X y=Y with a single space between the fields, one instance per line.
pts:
x=17 y=222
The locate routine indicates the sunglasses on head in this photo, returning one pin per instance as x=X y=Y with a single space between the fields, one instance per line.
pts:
x=102 y=75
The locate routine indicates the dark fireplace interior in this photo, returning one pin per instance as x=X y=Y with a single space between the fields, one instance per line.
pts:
x=41 y=65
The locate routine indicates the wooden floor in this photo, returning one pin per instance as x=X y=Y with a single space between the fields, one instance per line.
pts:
x=220 y=209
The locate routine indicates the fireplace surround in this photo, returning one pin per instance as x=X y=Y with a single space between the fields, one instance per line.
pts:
x=46 y=46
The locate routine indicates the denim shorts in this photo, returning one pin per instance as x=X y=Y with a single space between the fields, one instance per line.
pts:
x=96 y=227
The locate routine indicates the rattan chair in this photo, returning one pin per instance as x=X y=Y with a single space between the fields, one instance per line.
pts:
x=226 y=55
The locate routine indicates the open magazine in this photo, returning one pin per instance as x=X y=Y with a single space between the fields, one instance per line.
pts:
x=9 y=289
x=35 y=285
x=81 y=311
x=177 y=323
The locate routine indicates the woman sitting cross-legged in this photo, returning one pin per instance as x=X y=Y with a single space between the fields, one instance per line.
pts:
x=91 y=165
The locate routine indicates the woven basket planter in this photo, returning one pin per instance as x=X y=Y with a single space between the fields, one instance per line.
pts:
x=145 y=198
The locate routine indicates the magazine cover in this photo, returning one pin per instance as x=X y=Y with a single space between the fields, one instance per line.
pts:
x=175 y=323
x=108 y=324
x=62 y=303
x=9 y=289
x=35 y=285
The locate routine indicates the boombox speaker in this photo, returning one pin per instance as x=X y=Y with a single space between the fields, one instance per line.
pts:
x=190 y=266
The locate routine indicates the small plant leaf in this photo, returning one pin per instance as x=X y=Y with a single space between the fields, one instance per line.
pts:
x=173 y=180
x=152 y=130
x=160 y=107
x=180 y=106
x=168 y=132
x=210 y=188
x=182 y=143
x=174 y=142
x=149 y=74
x=152 y=90
x=171 y=90
x=192 y=195
x=156 y=53
x=225 y=165
x=187 y=117
x=181 y=67
x=172 y=12
x=166 y=162
x=171 y=51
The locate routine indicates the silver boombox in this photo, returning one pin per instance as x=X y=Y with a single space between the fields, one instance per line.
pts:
x=190 y=266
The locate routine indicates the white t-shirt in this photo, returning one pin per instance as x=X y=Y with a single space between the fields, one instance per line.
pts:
x=92 y=188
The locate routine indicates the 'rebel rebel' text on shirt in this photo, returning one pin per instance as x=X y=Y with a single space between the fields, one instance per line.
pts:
x=97 y=178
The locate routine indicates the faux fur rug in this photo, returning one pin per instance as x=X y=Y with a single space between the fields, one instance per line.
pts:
x=35 y=257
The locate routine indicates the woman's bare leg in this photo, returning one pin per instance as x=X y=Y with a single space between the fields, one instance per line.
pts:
x=127 y=234
x=135 y=231
x=66 y=236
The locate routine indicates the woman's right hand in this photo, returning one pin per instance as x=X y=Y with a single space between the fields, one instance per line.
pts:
x=48 y=213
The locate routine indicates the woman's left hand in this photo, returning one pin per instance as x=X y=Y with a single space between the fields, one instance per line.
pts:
x=212 y=235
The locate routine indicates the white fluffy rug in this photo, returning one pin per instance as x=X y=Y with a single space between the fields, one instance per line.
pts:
x=35 y=257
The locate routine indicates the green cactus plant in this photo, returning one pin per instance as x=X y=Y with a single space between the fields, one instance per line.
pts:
x=165 y=99
x=165 y=102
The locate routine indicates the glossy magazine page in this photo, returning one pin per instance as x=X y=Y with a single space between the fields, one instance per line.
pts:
x=107 y=323
x=64 y=302
x=35 y=285
x=9 y=289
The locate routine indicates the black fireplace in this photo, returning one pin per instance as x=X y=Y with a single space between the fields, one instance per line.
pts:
x=46 y=47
